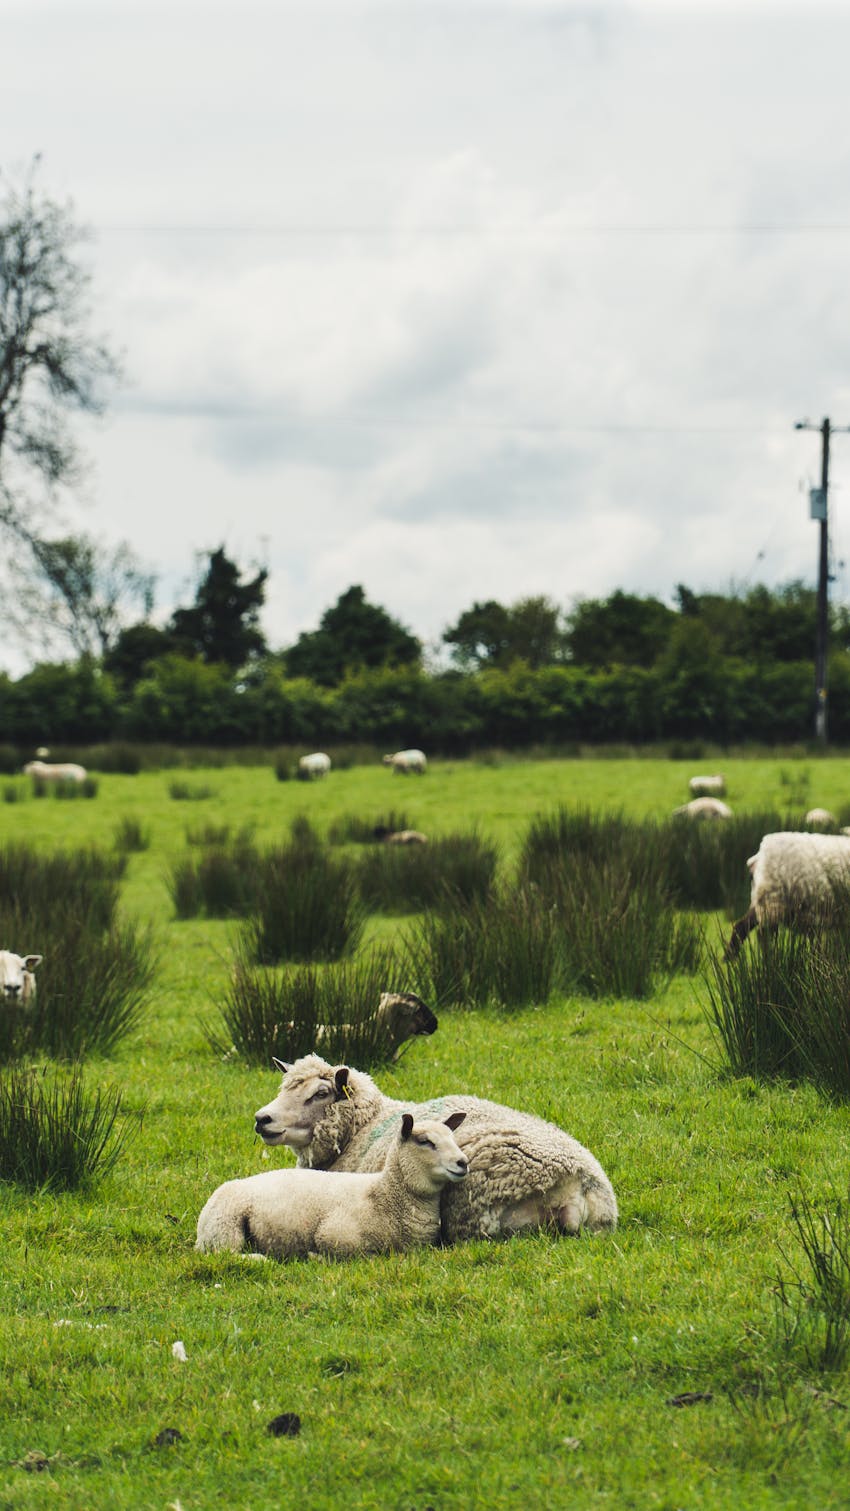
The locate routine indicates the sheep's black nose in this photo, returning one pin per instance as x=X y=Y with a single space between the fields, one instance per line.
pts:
x=262 y=1122
x=12 y=988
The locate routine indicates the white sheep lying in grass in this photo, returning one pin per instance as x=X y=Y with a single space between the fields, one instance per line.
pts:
x=703 y=807
x=316 y=765
x=707 y=786
x=17 y=982
x=525 y=1173
x=405 y=761
x=401 y=1016
x=796 y=878
x=65 y=771
x=298 y=1212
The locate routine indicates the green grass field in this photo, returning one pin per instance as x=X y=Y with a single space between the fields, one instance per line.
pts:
x=538 y=1372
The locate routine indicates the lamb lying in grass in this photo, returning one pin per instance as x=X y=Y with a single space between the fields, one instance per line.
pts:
x=297 y=1212
x=526 y=1173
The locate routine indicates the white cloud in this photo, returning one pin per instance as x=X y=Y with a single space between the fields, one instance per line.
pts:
x=469 y=300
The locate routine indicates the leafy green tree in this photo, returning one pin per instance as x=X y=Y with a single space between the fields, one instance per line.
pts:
x=353 y=633
x=222 y=625
x=623 y=630
x=491 y=634
x=134 y=650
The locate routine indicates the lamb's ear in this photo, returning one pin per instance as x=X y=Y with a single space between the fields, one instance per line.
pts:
x=341 y=1082
x=454 y=1120
x=31 y=961
x=279 y=1065
x=406 y=1126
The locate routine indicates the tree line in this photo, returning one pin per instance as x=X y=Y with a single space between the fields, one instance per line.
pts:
x=735 y=666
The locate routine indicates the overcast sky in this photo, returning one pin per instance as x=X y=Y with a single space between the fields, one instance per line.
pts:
x=454 y=300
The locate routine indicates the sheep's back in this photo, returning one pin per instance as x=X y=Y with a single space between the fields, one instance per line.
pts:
x=798 y=871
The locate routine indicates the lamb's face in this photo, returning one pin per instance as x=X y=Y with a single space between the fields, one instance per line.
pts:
x=428 y=1151
x=308 y=1089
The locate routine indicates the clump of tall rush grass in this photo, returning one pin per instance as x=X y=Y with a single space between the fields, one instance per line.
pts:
x=308 y=907
x=813 y=1296
x=54 y=1133
x=507 y=950
x=781 y=1008
x=97 y=969
x=408 y=878
x=605 y=879
x=223 y=880
x=352 y=829
x=292 y=1012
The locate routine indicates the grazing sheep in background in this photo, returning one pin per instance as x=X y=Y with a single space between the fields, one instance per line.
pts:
x=703 y=807
x=66 y=771
x=406 y=837
x=315 y=765
x=42 y=753
x=17 y=982
x=299 y=1212
x=821 y=818
x=707 y=786
x=402 y=1016
x=525 y=1173
x=405 y=761
x=796 y=879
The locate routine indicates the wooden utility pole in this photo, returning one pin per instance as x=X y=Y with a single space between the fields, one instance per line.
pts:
x=820 y=511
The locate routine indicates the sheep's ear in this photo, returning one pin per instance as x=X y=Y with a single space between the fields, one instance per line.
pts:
x=454 y=1120
x=341 y=1082
x=31 y=961
x=279 y=1065
x=406 y=1126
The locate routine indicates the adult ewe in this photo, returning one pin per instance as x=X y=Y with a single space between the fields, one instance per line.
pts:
x=703 y=807
x=401 y=1016
x=17 y=982
x=525 y=1173
x=707 y=786
x=796 y=878
x=64 y=771
x=299 y=1212
x=407 y=761
x=316 y=765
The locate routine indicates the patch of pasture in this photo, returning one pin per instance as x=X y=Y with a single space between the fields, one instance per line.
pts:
x=539 y=1371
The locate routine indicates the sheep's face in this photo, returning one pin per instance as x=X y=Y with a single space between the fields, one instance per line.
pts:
x=428 y=1152
x=17 y=982
x=407 y=1013
x=308 y=1089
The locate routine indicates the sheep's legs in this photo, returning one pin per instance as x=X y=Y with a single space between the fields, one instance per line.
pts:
x=740 y=931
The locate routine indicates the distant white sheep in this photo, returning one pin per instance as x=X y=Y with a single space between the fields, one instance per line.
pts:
x=707 y=786
x=703 y=807
x=407 y=761
x=65 y=771
x=406 y=837
x=316 y=765
x=820 y=818
x=17 y=981
x=796 y=878
x=525 y=1173
x=298 y=1212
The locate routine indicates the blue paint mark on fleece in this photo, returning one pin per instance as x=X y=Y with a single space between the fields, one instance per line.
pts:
x=432 y=1109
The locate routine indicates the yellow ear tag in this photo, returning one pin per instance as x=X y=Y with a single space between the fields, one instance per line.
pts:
x=347 y=1090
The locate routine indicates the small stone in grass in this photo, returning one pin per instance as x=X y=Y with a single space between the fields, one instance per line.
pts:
x=287 y=1425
